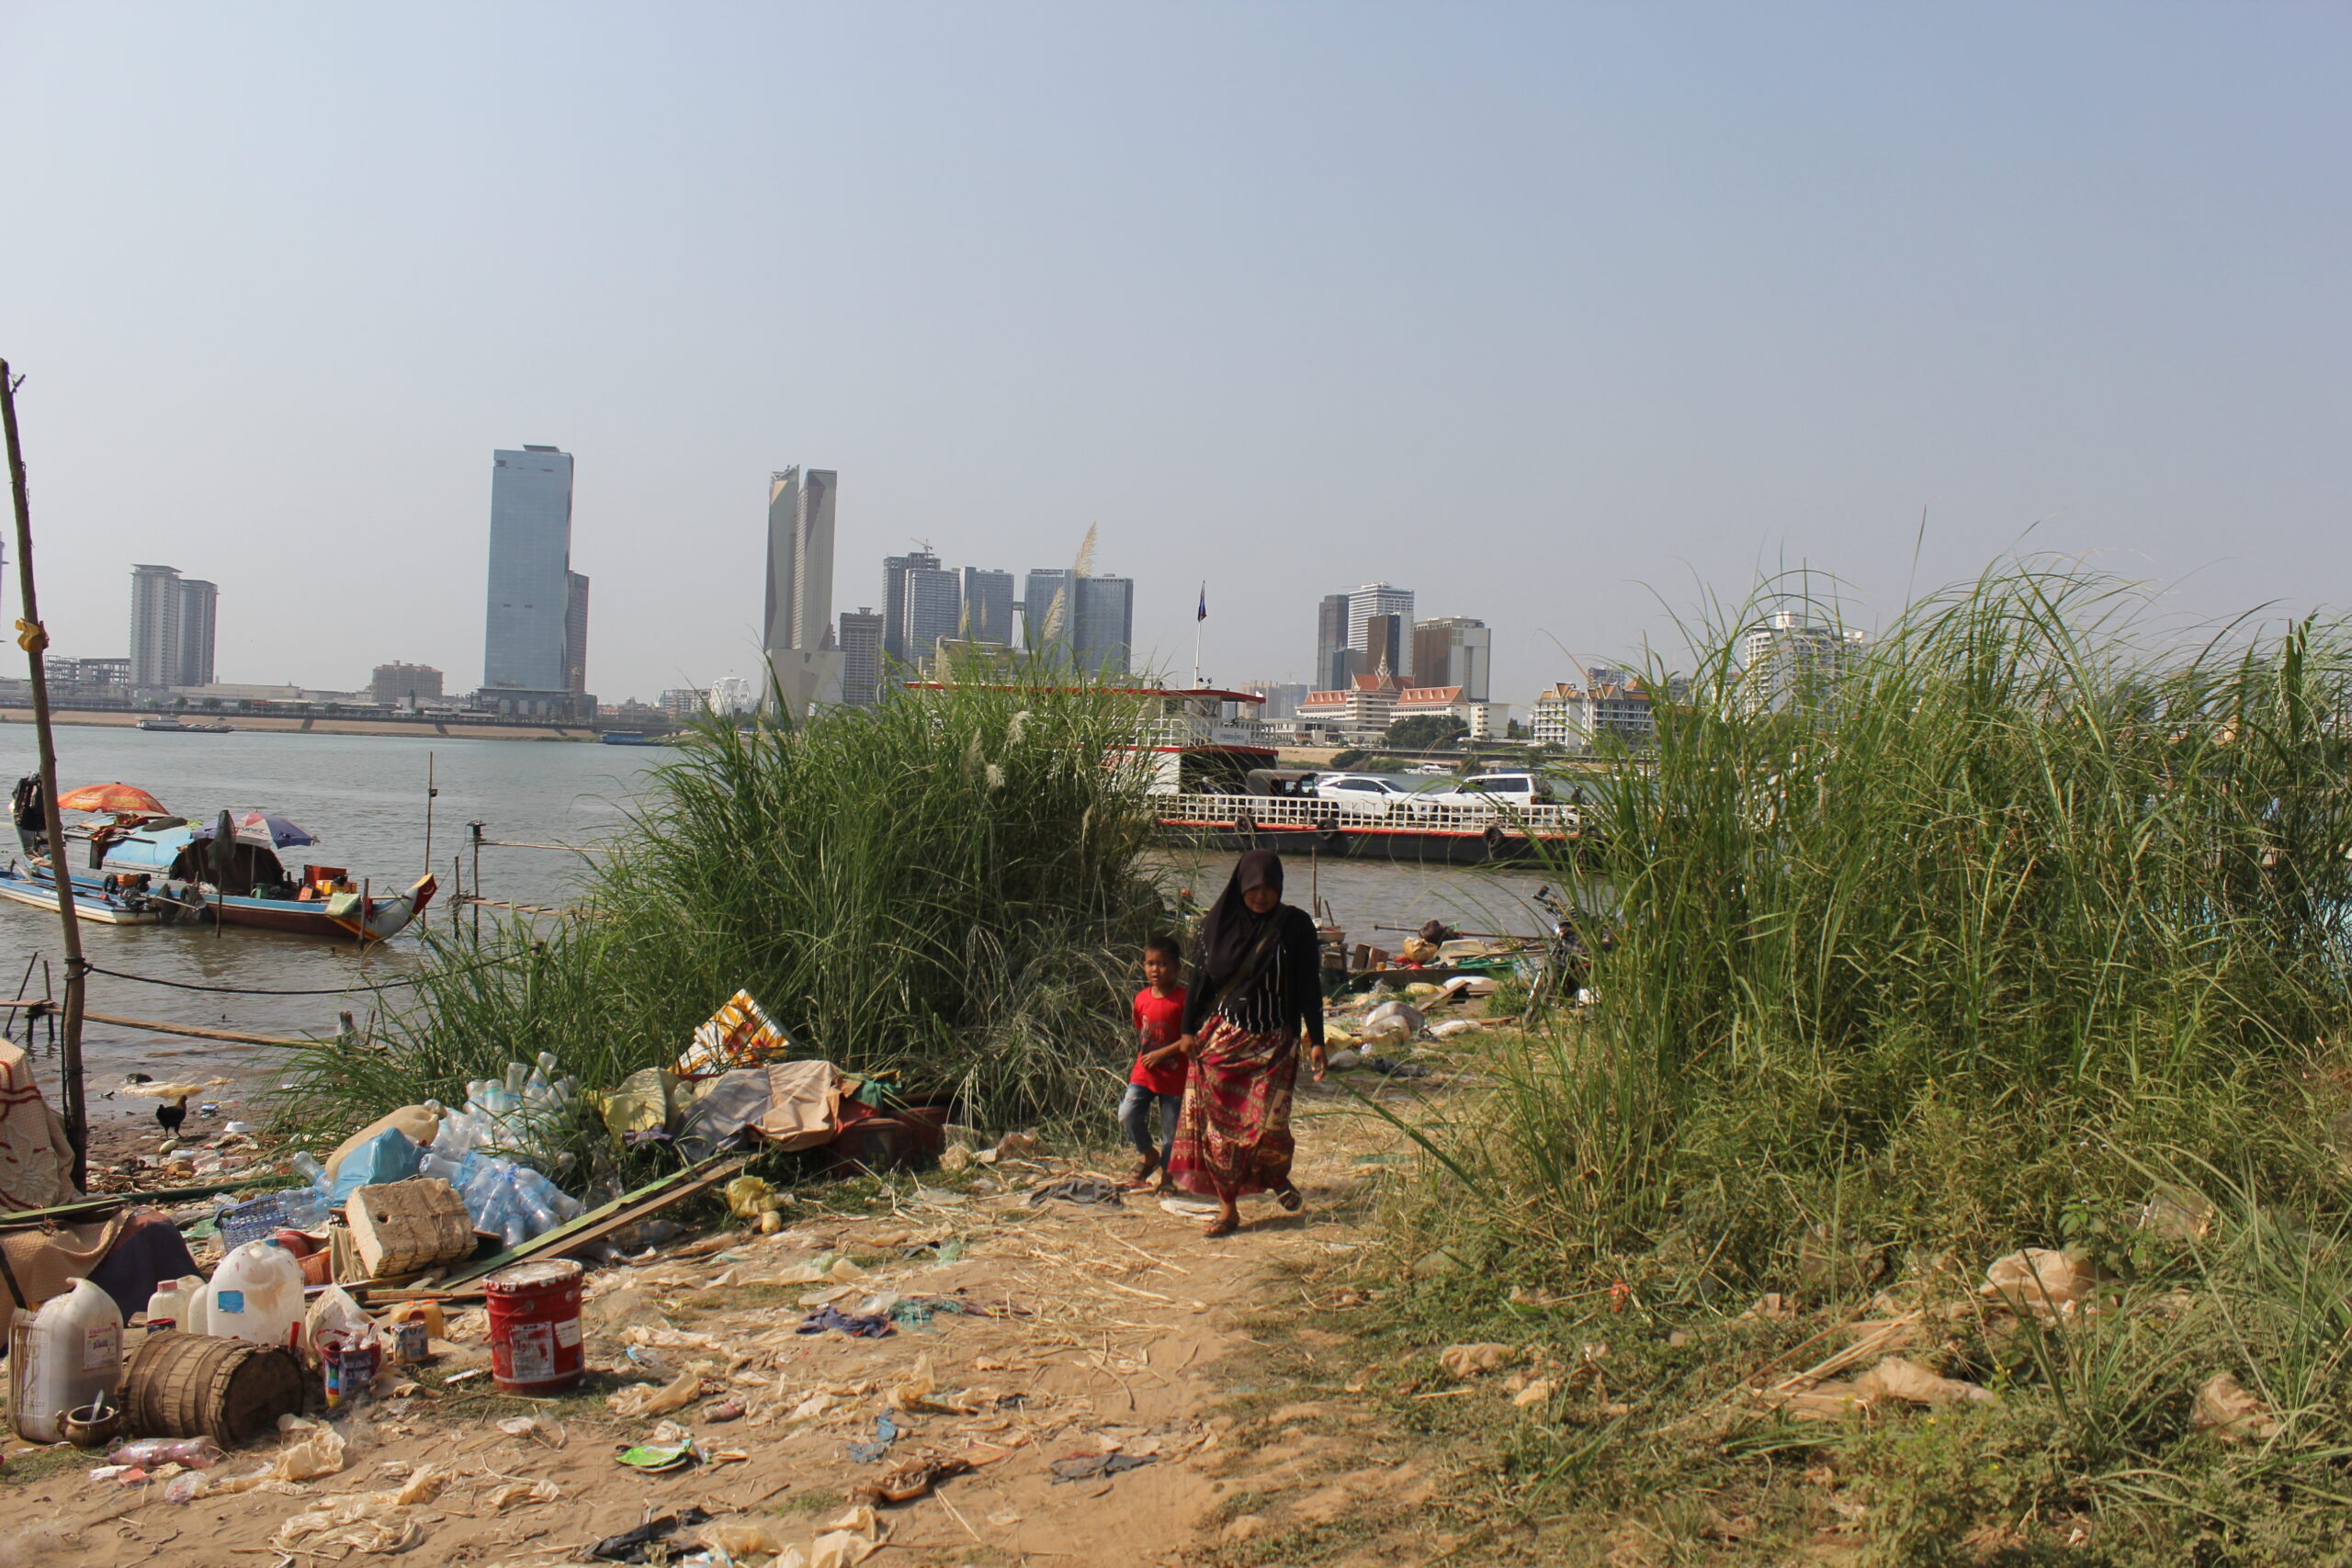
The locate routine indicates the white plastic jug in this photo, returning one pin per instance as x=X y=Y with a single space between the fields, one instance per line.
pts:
x=70 y=1355
x=196 y=1304
x=165 y=1306
x=258 y=1295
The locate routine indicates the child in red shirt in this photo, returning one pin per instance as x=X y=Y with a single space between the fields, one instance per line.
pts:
x=1159 y=1069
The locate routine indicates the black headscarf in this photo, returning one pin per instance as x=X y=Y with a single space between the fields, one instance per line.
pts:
x=1238 y=944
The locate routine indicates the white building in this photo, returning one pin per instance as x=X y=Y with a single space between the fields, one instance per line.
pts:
x=1485 y=719
x=1362 y=710
x=1786 y=659
x=731 y=695
x=1615 y=706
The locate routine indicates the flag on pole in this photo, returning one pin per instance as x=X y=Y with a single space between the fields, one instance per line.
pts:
x=1202 y=614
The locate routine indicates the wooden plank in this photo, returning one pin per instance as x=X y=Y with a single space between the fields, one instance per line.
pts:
x=107 y=1202
x=597 y=1223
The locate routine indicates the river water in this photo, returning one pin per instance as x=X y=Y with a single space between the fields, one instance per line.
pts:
x=364 y=798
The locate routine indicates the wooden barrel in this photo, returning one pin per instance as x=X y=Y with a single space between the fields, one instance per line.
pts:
x=190 y=1385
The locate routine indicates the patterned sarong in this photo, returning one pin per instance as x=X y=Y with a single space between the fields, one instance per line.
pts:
x=1233 y=1134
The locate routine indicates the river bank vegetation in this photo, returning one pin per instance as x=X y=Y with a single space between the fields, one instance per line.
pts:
x=2022 y=927
x=948 y=887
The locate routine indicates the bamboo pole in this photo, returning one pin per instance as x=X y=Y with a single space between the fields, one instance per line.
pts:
x=32 y=638
x=156 y=1026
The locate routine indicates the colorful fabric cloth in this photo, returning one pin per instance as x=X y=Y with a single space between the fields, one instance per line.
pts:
x=1234 y=1135
x=1159 y=1020
x=739 y=1034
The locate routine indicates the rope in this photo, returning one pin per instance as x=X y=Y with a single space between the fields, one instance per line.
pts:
x=265 y=991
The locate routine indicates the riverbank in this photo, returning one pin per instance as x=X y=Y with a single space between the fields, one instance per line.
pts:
x=1077 y=1333
x=269 y=724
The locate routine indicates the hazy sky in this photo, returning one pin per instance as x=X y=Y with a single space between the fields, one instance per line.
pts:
x=1543 y=311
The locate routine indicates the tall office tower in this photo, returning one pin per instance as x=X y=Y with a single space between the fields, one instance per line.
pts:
x=1104 y=633
x=782 y=596
x=154 y=625
x=530 y=572
x=575 y=632
x=1454 y=650
x=800 y=559
x=861 y=657
x=1048 y=611
x=988 y=605
x=893 y=599
x=1389 y=645
x=1332 y=643
x=1380 y=599
x=198 y=600
x=930 y=605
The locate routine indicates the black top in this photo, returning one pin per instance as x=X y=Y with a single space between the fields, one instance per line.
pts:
x=1285 y=996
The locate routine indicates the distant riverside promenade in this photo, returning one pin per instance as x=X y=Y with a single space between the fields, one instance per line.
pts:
x=457 y=727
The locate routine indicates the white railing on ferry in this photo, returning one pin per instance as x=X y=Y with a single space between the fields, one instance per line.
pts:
x=1291 y=811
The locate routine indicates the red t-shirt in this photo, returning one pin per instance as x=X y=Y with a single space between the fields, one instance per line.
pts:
x=1159 y=1020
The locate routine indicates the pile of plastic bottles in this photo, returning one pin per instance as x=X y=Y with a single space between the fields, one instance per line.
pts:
x=522 y=1114
x=518 y=1115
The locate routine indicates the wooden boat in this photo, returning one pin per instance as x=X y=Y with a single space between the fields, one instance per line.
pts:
x=114 y=908
x=179 y=875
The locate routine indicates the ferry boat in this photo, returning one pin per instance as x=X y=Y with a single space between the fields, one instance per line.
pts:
x=169 y=725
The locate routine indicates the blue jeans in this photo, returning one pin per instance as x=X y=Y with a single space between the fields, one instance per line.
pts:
x=1135 y=1116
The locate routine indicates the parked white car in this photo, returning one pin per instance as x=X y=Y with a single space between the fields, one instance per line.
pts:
x=1499 y=789
x=1373 y=795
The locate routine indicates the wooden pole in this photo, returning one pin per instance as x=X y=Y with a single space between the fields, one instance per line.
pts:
x=430 y=795
x=32 y=638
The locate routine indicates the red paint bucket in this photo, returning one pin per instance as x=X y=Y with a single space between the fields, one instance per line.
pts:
x=534 y=1326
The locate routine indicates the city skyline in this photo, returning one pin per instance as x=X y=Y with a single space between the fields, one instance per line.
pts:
x=1673 y=318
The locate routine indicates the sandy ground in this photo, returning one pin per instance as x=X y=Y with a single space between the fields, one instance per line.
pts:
x=1125 y=1333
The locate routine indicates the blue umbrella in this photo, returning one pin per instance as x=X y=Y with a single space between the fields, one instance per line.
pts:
x=262 y=829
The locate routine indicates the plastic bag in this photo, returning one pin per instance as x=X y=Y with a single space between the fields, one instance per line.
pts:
x=641 y=1104
x=391 y=1156
x=319 y=1454
x=644 y=1399
x=334 y=1313
x=197 y=1453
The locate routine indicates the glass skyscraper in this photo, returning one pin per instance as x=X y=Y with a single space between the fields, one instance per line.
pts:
x=532 y=591
x=1106 y=624
x=988 y=605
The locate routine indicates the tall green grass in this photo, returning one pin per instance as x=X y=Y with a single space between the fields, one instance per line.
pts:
x=1981 y=938
x=948 y=885
x=2028 y=885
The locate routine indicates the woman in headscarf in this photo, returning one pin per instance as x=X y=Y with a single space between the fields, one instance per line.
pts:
x=1256 y=985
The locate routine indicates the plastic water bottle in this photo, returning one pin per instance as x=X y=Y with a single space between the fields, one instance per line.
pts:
x=307 y=1167
x=164 y=1307
x=306 y=1207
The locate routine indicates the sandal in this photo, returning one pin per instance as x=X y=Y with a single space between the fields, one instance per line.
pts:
x=1290 y=1198
x=1222 y=1226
